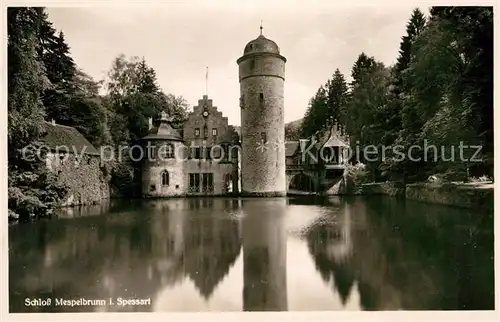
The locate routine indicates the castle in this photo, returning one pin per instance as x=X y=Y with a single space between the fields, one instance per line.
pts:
x=207 y=137
x=203 y=161
x=210 y=158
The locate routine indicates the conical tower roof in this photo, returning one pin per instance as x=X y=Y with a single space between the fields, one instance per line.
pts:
x=164 y=130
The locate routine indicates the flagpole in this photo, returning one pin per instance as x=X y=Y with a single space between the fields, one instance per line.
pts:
x=206 y=82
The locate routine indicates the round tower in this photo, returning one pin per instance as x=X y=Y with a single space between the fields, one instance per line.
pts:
x=262 y=77
x=163 y=161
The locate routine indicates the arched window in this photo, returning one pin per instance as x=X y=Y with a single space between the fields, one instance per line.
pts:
x=165 y=178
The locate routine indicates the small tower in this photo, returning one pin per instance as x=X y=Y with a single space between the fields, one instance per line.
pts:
x=162 y=163
x=262 y=77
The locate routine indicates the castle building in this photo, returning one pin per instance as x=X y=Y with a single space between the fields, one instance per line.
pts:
x=202 y=161
x=76 y=164
x=262 y=76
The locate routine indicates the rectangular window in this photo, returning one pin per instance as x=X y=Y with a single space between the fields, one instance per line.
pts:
x=206 y=152
x=205 y=132
x=214 y=132
x=234 y=153
x=194 y=182
x=208 y=182
x=197 y=153
x=197 y=132
x=261 y=99
x=263 y=137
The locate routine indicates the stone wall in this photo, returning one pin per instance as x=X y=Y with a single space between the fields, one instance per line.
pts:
x=219 y=171
x=262 y=119
x=84 y=178
x=388 y=188
x=460 y=195
x=152 y=174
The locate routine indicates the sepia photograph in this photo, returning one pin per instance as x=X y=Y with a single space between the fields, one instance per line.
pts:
x=249 y=156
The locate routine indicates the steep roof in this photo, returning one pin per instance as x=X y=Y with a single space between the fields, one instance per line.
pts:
x=164 y=131
x=335 y=141
x=66 y=138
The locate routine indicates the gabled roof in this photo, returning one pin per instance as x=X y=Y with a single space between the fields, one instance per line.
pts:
x=66 y=139
x=335 y=141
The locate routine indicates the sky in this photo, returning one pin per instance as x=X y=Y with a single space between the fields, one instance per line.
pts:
x=180 y=40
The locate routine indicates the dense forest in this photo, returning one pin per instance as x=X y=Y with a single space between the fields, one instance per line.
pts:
x=439 y=92
x=45 y=83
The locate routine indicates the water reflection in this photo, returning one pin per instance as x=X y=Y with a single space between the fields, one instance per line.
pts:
x=264 y=249
x=297 y=254
x=330 y=244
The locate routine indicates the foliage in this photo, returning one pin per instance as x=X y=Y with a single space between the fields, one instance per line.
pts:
x=326 y=107
x=292 y=130
x=355 y=176
x=439 y=92
x=45 y=83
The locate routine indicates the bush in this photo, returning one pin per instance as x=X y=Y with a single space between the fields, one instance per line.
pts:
x=355 y=176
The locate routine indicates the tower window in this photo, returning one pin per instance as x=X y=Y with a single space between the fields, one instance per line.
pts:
x=252 y=64
x=167 y=151
x=165 y=179
x=197 y=132
x=263 y=137
x=205 y=132
x=261 y=96
x=214 y=132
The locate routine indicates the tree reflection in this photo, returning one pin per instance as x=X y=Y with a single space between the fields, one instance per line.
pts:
x=406 y=255
x=212 y=246
x=330 y=244
x=125 y=254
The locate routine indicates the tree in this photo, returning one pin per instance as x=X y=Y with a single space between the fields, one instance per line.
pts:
x=133 y=97
x=414 y=27
x=32 y=190
x=337 y=92
x=315 y=115
x=368 y=112
x=362 y=65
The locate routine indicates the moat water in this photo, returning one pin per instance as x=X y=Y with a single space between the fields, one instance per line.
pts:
x=364 y=253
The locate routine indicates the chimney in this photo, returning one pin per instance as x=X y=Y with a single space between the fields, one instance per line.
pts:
x=53 y=122
x=150 y=123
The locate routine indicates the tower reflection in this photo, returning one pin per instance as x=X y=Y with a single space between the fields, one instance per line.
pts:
x=264 y=253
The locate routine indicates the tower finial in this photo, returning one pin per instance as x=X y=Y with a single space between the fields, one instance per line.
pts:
x=206 y=81
x=261 y=27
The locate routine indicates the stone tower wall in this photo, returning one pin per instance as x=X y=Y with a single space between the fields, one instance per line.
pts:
x=262 y=116
x=152 y=169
